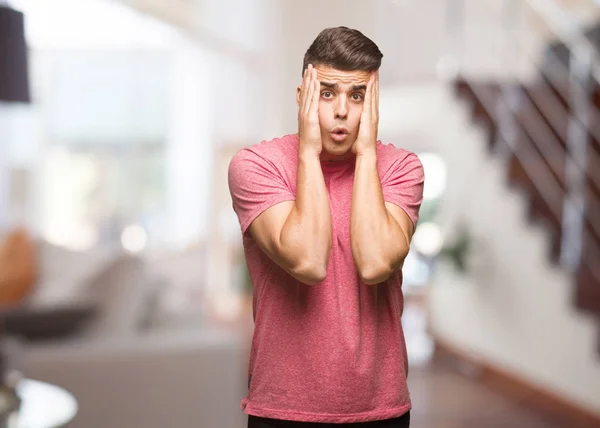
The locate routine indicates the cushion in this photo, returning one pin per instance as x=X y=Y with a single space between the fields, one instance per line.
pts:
x=18 y=268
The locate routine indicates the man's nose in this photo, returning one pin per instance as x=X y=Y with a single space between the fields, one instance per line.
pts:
x=341 y=108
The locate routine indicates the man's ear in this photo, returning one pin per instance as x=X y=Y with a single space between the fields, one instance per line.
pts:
x=298 y=92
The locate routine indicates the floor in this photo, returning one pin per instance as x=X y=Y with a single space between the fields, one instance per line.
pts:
x=445 y=397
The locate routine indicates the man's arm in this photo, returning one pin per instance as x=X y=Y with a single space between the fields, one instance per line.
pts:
x=380 y=231
x=297 y=234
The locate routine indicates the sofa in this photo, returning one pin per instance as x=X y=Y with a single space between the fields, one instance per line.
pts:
x=125 y=367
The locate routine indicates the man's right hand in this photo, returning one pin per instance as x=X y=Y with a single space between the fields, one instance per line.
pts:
x=309 y=130
x=297 y=234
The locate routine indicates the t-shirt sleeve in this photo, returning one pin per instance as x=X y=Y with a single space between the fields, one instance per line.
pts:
x=255 y=185
x=403 y=185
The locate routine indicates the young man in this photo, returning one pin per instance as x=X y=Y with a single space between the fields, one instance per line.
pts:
x=327 y=216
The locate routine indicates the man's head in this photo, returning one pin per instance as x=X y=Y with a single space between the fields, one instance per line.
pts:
x=344 y=59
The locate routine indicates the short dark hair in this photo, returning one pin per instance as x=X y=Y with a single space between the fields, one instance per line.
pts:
x=345 y=49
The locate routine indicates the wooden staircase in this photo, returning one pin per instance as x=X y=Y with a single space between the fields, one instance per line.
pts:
x=537 y=163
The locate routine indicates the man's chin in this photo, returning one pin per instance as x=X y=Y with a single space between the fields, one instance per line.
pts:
x=343 y=145
x=337 y=149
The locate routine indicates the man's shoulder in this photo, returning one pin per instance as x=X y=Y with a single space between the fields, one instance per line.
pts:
x=276 y=151
x=392 y=154
x=278 y=146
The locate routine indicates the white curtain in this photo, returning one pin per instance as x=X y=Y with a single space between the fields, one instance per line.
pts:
x=18 y=155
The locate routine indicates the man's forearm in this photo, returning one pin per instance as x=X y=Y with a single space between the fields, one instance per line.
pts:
x=378 y=243
x=307 y=230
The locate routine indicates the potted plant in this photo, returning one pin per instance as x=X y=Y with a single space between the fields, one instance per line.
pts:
x=458 y=251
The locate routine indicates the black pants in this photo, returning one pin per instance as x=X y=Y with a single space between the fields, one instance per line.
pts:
x=257 y=422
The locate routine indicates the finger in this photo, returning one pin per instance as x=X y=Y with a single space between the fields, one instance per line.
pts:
x=314 y=107
x=368 y=96
x=304 y=87
x=373 y=93
x=310 y=91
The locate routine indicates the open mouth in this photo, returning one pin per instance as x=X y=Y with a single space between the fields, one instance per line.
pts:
x=339 y=134
x=339 y=130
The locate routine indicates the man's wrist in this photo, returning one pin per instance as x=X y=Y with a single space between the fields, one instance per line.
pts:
x=307 y=153
x=367 y=153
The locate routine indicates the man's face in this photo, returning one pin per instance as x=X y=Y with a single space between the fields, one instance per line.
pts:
x=340 y=107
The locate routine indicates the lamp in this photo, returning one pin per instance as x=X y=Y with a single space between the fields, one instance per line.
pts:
x=14 y=88
x=14 y=75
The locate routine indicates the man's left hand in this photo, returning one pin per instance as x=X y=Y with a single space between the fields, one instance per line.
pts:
x=369 y=119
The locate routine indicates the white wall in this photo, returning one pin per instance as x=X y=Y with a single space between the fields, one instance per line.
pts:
x=190 y=145
x=514 y=309
x=18 y=165
x=4 y=149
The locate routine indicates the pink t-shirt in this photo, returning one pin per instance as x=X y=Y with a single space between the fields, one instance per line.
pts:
x=333 y=352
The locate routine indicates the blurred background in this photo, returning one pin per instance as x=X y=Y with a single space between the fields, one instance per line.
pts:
x=124 y=293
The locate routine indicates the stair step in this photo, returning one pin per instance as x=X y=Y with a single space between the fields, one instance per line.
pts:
x=552 y=112
x=483 y=97
x=545 y=142
x=555 y=116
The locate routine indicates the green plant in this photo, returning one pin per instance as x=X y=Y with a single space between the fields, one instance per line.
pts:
x=457 y=251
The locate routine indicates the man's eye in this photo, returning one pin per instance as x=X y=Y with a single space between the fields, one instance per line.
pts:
x=326 y=94
x=357 y=97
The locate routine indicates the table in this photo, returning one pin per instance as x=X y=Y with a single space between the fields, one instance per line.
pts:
x=43 y=406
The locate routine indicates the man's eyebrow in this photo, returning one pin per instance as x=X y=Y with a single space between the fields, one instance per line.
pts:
x=329 y=85
x=332 y=85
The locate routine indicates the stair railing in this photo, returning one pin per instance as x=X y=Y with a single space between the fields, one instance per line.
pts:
x=575 y=84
